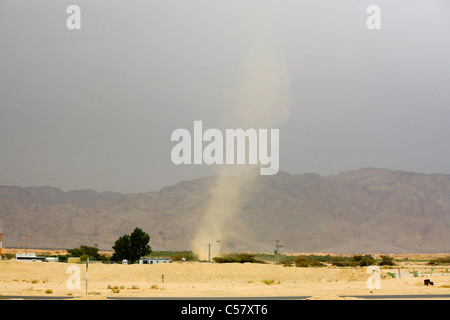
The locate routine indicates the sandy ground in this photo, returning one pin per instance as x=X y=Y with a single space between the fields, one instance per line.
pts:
x=196 y=279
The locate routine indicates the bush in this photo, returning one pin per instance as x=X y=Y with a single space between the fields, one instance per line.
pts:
x=286 y=262
x=63 y=258
x=244 y=257
x=270 y=282
x=442 y=260
x=386 y=261
x=114 y=289
x=8 y=256
x=179 y=256
x=84 y=252
x=237 y=258
x=301 y=262
x=224 y=260
x=307 y=262
x=339 y=261
x=365 y=261
x=355 y=261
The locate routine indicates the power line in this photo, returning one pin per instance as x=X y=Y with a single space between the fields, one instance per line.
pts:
x=277 y=250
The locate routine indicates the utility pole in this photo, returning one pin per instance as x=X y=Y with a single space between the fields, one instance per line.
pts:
x=1 y=240
x=277 y=252
x=209 y=251
x=87 y=265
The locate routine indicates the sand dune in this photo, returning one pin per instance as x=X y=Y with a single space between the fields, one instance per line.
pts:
x=194 y=279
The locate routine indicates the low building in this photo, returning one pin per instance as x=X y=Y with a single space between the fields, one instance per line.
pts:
x=73 y=260
x=153 y=260
x=51 y=259
x=29 y=256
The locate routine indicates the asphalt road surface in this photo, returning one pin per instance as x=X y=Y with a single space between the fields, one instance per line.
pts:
x=368 y=297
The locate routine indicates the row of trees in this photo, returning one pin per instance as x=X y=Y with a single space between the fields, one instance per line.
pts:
x=339 y=261
x=136 y=245
x=128 y=247
x=312 y=261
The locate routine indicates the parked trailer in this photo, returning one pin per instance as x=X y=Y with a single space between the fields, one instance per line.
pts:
x=29 y=257
x=153 y=261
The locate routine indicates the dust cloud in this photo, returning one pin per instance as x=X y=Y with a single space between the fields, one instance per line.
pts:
x=262 y=102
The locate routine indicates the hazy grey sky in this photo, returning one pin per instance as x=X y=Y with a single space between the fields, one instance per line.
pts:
x=95 y=108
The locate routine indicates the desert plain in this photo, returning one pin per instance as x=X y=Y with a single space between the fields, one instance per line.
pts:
x=203 y=279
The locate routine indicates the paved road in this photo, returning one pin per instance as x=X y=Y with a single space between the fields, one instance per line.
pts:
x=403 y=296
x=368 y=297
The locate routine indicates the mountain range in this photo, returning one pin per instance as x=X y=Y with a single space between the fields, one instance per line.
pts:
x=367 y=210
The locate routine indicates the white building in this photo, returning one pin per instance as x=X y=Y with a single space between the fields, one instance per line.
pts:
x=29 y=256
x=153 y=260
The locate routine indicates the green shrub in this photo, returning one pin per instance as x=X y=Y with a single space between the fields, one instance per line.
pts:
x=63 y=258
x=339 y=261
x=180 y=255
x=305 y=262
x=114 y=289
x=355 y=261
x=8 y=256
x=224 y=260
x=269 y=282
x=237 y=258
x=366 y=261
x=441 y=260
x=386 y=261
x=286 y=262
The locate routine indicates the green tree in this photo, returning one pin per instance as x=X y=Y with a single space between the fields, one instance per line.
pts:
x=139 y=246
x=121 y=248
x=132 y=247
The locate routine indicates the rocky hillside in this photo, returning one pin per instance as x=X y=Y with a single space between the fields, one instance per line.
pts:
x=366 y=210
